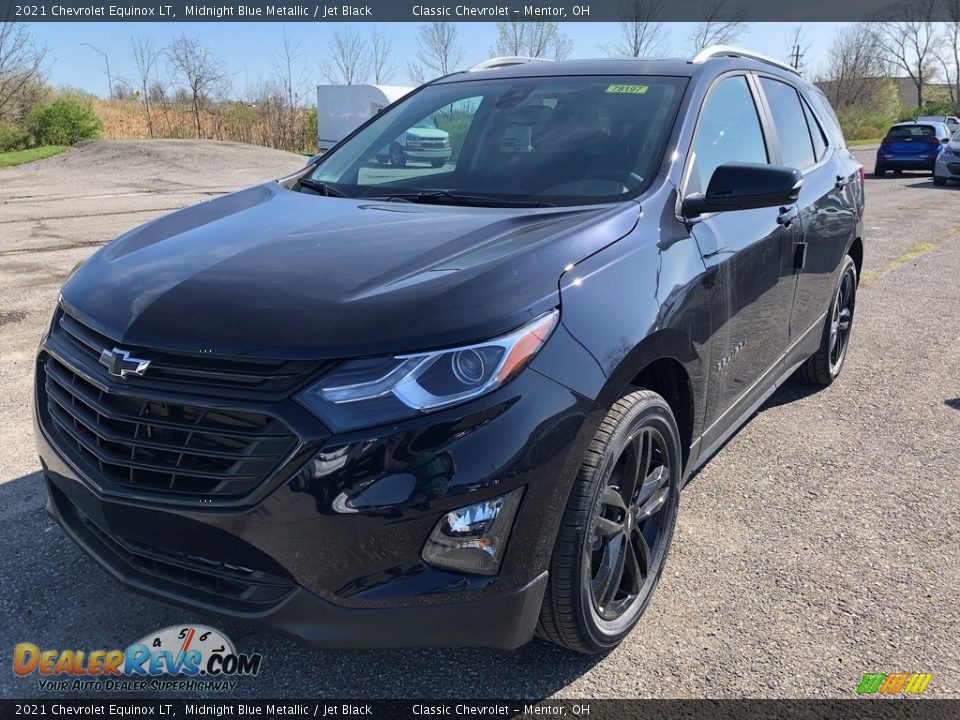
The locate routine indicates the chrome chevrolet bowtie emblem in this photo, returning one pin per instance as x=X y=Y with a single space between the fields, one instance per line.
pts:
x=119 y=362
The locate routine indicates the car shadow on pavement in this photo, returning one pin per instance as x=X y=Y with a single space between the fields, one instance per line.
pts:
x=791 y=391
x=927 y=183
x=56 y=596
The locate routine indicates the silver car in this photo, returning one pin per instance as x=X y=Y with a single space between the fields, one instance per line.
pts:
x=948 y=162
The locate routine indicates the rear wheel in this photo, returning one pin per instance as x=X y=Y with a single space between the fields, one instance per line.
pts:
x=879 y=171
x=436 y=163
x=825 y=364
x=616 y=528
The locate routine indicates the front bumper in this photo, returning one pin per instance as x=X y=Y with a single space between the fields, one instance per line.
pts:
x=329 y=551
x=427 y=154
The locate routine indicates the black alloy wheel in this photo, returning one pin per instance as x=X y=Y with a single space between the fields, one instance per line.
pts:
x=626 y=544
x=841 y=319
x=616 y=529
x=825 y=364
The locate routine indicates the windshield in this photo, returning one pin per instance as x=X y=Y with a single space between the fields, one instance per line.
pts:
x=533 y=141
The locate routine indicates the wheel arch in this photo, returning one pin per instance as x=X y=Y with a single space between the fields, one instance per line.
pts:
x=667 y=363
x=856 y=252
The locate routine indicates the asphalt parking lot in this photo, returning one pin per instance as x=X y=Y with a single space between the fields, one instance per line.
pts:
x=820 y=544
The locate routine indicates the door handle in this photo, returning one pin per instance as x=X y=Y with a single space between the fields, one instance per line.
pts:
x=787 y=215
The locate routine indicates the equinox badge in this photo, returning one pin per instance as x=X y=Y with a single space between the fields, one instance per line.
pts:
x=118 y=362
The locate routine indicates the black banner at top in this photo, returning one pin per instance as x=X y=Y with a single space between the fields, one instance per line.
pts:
x=455 y=10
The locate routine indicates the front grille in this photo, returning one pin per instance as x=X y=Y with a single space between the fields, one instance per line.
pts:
x=204 y=373
x=163 y=447
x=188 y=575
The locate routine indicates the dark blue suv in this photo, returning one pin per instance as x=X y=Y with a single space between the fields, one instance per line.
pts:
x=377 y=405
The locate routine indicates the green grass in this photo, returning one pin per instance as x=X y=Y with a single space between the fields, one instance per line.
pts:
x=19 y=157
x=867 y=141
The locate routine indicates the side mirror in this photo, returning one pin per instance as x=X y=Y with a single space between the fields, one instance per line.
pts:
x=945 y=141
x=745 y=186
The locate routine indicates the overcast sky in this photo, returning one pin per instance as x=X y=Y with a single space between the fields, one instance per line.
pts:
x=246 y=47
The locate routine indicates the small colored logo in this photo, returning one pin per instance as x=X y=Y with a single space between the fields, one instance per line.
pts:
x=190 y=651
x=894 y=683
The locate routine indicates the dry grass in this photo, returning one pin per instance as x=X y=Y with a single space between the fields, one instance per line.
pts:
x=235 y=121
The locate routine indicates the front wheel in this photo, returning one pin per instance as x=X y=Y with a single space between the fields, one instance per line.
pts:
x=616 y=528
x=941 y=181
x=825 y=364
x=398 y=158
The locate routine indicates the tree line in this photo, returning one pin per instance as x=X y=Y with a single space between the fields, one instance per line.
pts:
x=182 y=89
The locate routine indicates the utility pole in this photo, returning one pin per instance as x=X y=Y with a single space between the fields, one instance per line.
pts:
x=796 y=57
x=106 y=60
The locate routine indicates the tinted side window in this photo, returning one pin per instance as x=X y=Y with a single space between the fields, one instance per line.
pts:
x=729 y=131
x=816 y=132
x=796 y=147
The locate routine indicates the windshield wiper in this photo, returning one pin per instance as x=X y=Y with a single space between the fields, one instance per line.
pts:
x=322 y=188
x=445 y=197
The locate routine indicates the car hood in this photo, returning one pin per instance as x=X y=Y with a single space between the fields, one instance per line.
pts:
x=270 y=272
x=428 y=133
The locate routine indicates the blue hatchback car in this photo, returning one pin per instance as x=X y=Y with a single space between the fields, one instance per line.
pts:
x=911 y=146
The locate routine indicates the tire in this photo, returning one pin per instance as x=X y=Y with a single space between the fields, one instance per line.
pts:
x=939 y=181
x=383 y=159
x=823 y=367
x=879 y=171
x=398 y=158
x=898 y=173
x=436 y=163
x=602 y=531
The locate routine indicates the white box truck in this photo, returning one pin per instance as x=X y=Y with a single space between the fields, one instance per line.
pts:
x=343 y=108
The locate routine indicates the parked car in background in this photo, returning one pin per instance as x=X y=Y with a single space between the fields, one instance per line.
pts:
x=951 y=121
x=422 y=142
x=948 y=162
x=457 y=407
x=911 y=146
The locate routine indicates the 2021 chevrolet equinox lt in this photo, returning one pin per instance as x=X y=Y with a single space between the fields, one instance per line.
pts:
x=374 y=406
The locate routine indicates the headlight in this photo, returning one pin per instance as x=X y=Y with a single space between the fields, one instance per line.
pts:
x=373 y=391
x=950 y=153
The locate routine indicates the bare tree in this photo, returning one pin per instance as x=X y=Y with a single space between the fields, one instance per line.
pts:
x=205 y=76
x=641 y=31
x=532 y=39
x=381 y=56
x=21 y=71
x=289 y=74
x=797 y=47
x=438 y=51
x=722 y=24
x=949 y=50
x=349 y=62
x=909 y=39
x=855 y=72
x=146 y=55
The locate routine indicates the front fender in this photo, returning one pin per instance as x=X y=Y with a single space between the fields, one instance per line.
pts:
x=638 y=300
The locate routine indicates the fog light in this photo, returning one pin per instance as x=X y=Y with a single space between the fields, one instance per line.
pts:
x=473 y=539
